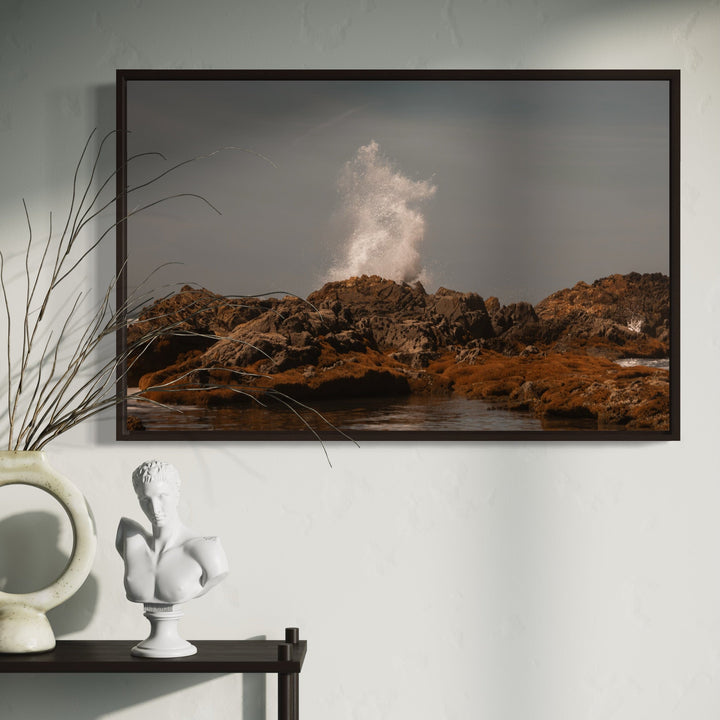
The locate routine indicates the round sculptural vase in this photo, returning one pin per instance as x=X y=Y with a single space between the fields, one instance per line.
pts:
x=24 y=627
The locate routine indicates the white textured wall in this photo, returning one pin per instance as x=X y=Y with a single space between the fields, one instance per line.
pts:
x=460 y=581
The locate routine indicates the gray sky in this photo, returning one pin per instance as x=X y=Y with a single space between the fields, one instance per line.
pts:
x=537 y=184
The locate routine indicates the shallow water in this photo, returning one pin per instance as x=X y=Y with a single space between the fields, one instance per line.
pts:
x=405 y=413
x=661 y=363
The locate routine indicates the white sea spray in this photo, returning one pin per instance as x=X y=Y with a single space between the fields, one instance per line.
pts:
x=381 y=209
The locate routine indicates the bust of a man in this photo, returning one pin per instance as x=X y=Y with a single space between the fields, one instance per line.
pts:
x=170 y=564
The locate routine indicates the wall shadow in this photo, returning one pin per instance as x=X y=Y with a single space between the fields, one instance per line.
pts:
x=88 y=697
x=254 y=692
x=31 y=559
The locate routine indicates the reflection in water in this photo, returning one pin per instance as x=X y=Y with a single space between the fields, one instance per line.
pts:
x=403 y=413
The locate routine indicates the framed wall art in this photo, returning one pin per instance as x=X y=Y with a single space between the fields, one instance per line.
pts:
x=462 y=255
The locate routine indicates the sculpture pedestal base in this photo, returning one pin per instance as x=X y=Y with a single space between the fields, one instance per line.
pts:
x=164 y=640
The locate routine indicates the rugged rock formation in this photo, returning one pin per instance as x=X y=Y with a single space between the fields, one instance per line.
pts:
x=621 y=308
x=185 y=322
x=561 y=387
x=372 y=336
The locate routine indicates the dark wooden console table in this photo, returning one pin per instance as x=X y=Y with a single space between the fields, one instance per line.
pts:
x=282 y=657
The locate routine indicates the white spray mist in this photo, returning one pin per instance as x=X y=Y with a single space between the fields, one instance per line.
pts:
x=386 y=226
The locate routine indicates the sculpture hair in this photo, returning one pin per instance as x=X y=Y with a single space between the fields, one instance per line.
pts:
x=155 y=470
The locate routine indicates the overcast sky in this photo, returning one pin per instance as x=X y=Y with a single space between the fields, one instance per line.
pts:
x=537 y=184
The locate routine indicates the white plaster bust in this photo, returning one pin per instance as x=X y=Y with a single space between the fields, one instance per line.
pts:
x=170 y=564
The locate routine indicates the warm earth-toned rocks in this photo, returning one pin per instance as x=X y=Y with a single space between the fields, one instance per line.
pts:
x=368 y=336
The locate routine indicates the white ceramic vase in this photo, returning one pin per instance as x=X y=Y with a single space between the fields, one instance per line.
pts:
x=24 y=627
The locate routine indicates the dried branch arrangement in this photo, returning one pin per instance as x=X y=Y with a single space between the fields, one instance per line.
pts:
x=58 y=377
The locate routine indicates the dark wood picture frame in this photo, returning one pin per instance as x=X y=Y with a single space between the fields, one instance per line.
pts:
x=528 y=392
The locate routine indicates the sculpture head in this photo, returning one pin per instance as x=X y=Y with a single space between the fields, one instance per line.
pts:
x=157 y=486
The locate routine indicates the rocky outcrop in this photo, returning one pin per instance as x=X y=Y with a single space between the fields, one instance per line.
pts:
x=569 y=387
x=370 y=294
x=621 y=308
x=368 y=335
x=466 y=311
x=188 y=321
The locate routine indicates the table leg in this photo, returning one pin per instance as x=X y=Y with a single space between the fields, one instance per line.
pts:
x=295 y=691
x=285 y=704
x=288 y=683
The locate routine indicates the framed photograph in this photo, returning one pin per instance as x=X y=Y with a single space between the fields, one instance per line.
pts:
x=398 y=255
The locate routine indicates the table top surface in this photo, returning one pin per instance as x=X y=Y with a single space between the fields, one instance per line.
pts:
x=113 y=656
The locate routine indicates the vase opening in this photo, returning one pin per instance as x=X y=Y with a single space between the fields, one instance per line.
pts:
x=36 y=539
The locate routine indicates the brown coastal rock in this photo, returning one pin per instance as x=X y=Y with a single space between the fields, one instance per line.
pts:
x=632 y=310
x=575 y=385
x=197 y=317
x=371 y=336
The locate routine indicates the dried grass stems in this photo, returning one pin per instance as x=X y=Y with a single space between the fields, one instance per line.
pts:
x=57 y=376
